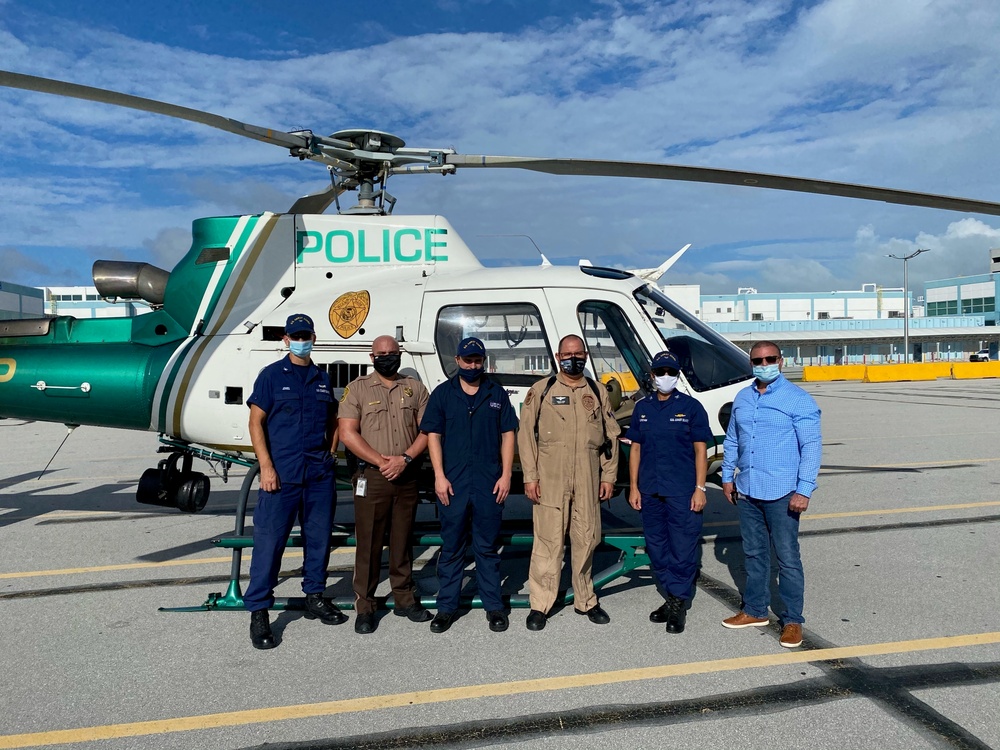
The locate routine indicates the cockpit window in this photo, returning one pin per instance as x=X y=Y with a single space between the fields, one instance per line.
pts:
x=620 y=361
x=707 y=358
x=517 y=351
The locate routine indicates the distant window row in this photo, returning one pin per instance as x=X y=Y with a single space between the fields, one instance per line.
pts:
x=969 y=306
x=75 y=297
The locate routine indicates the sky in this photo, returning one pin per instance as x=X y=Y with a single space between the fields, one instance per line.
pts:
x=896 y=93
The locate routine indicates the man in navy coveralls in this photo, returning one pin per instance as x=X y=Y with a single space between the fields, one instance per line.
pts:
x=668 y=462
x=293 y=427
x=470 y=425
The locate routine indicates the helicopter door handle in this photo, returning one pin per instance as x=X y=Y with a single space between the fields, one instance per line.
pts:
x=41 y=385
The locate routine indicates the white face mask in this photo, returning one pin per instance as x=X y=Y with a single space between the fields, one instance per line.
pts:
x=665 y=383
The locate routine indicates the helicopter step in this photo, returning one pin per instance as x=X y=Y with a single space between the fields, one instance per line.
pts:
x=629 y=541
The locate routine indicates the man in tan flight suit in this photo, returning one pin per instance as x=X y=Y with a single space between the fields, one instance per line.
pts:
x=380 y=415
x=568 y=444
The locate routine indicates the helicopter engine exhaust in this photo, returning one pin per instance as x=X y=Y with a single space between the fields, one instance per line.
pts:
x=130 y=280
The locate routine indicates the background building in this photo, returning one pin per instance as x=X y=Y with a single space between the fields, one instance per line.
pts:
x=18 y=301
x=85 y=302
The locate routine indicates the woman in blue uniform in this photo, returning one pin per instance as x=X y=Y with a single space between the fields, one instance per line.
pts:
x=668 y=463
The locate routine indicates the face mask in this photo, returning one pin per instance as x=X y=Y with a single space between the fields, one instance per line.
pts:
x=573 y=365
x=766 y=373
x=300 y=348
x=665 y=383
x=470 y=375
x=387 y=365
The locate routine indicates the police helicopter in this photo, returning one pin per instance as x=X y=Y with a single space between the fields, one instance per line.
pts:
x=185 y=369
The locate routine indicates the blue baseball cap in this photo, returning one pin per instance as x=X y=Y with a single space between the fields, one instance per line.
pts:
x=469 y=347
x=666 y=359
x=298 y=323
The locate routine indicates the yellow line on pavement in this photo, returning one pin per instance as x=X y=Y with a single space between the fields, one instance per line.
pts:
x=166 y=564
x=466 y=692
x=884 y=512
x=350 y=550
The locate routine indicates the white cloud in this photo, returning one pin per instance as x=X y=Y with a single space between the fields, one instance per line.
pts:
x=898 y=93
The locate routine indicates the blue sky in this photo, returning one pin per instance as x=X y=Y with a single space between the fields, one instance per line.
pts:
x=900 y=93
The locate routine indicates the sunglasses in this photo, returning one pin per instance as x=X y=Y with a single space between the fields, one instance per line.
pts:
x=771 y=360
x=300 y=336
x=661 y=371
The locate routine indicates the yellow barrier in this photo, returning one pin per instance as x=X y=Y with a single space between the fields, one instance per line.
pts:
x=816 y=374
x=940 y=369
x=895 y=373
x=970 y=370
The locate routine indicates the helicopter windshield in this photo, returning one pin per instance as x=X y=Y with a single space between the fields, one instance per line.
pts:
x=707 y=359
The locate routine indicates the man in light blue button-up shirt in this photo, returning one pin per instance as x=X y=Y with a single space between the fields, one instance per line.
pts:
x=772 y=457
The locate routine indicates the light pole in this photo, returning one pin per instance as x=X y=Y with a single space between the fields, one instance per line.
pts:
x=906 y=301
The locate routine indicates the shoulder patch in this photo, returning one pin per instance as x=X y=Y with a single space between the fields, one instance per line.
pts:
x=347 y=389
x=529 y=398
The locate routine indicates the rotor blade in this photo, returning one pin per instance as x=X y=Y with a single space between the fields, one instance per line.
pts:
x=76 y=91
x=599 y=168
x=316 y=203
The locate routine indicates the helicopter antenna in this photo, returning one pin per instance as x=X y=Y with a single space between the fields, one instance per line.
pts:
x=69 y=431
x=546 y=263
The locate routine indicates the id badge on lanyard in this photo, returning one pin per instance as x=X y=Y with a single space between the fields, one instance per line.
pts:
x=361 y=489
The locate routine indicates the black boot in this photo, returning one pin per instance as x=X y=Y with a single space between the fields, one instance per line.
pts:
x=260 y=630
x=318 y=607
x=676 y=614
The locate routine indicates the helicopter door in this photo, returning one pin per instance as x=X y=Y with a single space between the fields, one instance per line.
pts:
x=514 y=330
x=618 y=357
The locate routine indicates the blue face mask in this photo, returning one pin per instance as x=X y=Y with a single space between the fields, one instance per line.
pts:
x=300 y=348
x=470 y=374
x=766 y=373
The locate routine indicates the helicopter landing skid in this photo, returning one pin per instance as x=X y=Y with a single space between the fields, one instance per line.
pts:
x=629 y=541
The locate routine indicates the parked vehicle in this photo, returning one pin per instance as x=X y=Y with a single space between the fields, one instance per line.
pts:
x=983 y=355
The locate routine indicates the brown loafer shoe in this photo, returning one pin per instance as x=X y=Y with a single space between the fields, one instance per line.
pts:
x=791 y=635
x=743 y=620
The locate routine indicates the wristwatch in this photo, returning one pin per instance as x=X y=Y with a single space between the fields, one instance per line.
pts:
x=699 y=487
x=407 y=458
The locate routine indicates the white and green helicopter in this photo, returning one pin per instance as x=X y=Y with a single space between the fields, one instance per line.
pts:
x=185 y=369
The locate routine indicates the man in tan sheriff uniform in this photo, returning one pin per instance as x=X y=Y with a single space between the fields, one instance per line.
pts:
x=569 y=454
x=380 y=415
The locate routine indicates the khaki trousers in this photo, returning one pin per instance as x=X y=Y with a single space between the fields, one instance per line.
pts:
x=582 y=519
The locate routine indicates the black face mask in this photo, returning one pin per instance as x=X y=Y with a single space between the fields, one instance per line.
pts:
x=387 y=365
x=573 y=365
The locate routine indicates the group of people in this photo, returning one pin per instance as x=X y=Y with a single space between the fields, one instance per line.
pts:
x=568 y=441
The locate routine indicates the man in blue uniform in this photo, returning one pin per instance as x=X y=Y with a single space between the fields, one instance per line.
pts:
x=470 y=427
x=668 y=462
x=293 y=418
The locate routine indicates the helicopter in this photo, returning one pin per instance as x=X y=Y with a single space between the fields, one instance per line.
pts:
x=186 y=368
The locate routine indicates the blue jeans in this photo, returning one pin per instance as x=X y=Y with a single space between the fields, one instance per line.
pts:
x=763 y=523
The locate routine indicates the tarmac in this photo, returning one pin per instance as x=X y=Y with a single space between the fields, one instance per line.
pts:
x=902 y=634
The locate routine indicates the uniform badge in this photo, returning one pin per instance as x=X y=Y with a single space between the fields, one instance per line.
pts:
x=560 y=400
x=408 y=391
x=347 y=389
x=529 y=398
x=589 y=402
